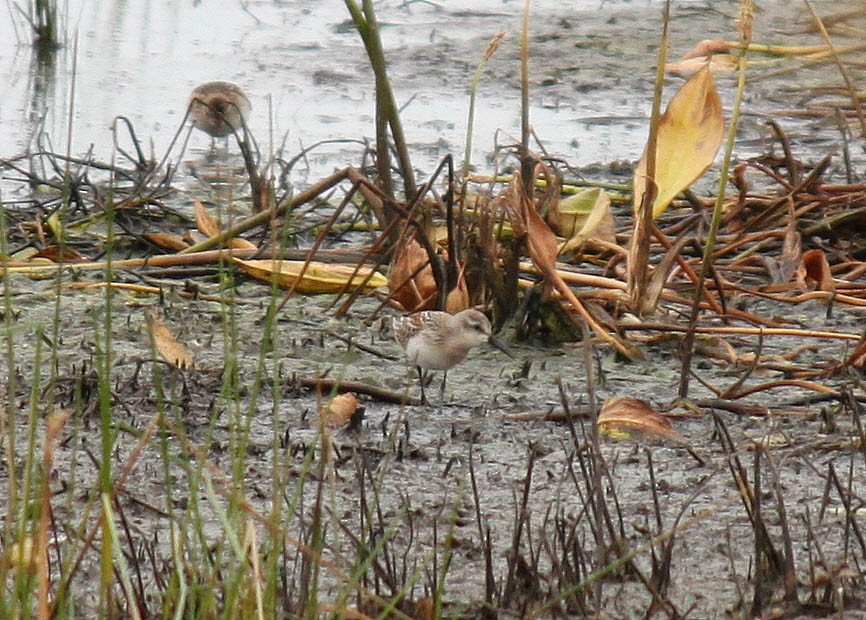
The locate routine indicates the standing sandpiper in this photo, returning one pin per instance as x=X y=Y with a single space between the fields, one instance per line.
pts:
x=219 y=108
x=437 y=340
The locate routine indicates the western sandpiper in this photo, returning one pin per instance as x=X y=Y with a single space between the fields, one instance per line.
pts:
x=435 y=340
x=219 y=108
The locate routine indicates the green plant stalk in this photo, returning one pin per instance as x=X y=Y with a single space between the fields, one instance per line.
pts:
x=46 y=23
x=104 y=354
x=61 y=241
x=122 y=566
x=232 y=580
x=189 y=527
x=473 y=91
x=183 y=529
x=240 y=420
x=269 y=346
x=715 y=222
x=177 y=558
x=25 y=518
x=106 y=430
x=597 y=455
x=177 y=589
x=63 y=592
x=367 y=555
x=448 y=551
x=390 y=109
x=527 y=165
x=317 y=528
x=279 y=472
x=8 y=413
x=386 y=106
x=190 y=533
x=273 y=545
x=64 y=596
x=470 y=121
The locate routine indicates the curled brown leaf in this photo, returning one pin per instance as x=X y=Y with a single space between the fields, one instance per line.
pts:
x=814 y=272
x=621 y=414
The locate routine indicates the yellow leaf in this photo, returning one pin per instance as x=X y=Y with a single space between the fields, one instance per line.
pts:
x=164 y=341
x=55 y=225
x=585 y=215
x=621 y=414
x=317 y=278
x=210 y=227
x=239 y=243
x=689 y=135
x=204 y=222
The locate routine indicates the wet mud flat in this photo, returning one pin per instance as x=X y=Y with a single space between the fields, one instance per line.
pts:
x=457 y=483
x=497 y=504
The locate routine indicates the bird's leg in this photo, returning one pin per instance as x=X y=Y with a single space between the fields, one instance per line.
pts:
x=421 y=382
x=442 y=389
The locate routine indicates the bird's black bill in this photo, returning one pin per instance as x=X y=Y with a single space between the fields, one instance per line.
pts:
x=501 y=346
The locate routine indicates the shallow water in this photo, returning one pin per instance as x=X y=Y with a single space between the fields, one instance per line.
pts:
x=304 y=67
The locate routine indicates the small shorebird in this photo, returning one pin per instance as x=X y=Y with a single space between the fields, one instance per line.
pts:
x=435 y=340
x=218 y=108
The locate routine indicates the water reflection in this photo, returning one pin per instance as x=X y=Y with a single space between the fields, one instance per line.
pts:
x=41 y=86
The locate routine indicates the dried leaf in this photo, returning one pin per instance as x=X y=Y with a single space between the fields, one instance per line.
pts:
x=204 y=222
x=54 y=423
x=339 y=411
x=620 y=415
x=583 y=216
x=718 y=348
x=210 y=227
x=717 y=51
x=191 y=237
x=317 y=277
x=540 y=239
x=164 y=341
x=814 y=272
x=413 y=285
x=411 y=278
x=167 y=241
x=239 y=243
x=689 y=136
x=425 y=609
x=857 y=359
x=56 y=255
x=708 y=47
x=458 y=298
x=718 y=63
x=543 y=251
x=656 y=285
x=791 y=252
